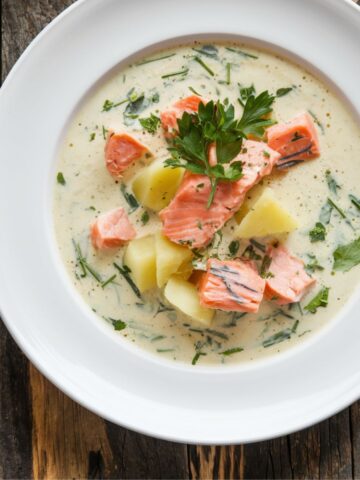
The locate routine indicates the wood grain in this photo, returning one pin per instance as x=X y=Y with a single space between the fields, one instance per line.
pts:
x=44 y=434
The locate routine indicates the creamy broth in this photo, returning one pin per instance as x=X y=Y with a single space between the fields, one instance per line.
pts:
x=90 y=190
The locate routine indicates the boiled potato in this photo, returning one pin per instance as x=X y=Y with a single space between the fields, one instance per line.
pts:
x=170 y=258
x=141 y=259
x=184 y=296
x=156 y=185
x=251 y=197
x=266 y=217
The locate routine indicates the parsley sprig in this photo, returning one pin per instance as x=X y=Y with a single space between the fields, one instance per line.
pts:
x=215 y=123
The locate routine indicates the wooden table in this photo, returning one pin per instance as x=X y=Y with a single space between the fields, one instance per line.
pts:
x=44 y=434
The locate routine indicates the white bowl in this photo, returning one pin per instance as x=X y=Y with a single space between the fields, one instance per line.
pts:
x=48 y=319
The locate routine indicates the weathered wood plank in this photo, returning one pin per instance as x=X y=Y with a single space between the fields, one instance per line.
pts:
x=15 y=410
x=216 y=462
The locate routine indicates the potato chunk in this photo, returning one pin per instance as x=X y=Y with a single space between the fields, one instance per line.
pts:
x=266 y=217
x=140 y=258
x=184 y=296
x=156 y=185
x=170 y=258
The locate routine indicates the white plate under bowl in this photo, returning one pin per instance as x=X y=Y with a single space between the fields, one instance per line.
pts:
x=49 y=320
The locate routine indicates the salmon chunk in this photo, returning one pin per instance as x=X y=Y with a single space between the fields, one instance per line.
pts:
x=169 y=117
x=121 y=150
x=233 y=285
x=287 y=281
x=187 y=220
x=111 y=229
x=296 y=140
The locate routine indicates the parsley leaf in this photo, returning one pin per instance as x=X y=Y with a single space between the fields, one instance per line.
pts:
x=318 y=233
x=280 y=92
x=320 y=300
x=145 y=218
x=347 y=256
x=118 y=324
x=234 y=247
x=332 y=183
x=150 y=124
x=215 y=123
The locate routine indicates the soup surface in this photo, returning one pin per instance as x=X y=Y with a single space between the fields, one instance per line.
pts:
x=322 y=190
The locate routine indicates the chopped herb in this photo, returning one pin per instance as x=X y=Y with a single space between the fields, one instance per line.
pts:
x=118 y=324
x=92 y=137
x=124 y=271
x=283 y=91
x=355 y=201
x=325 y=213
x=231 y=351
x=137 y=103
x=250 y=253
x=214 y=122
x=194 y=91
x=104 y=132
x=145 y=218
x=108 y=105
x=278 y=337
x=150 y=60
x=234 y=247
x=338 y=209
x=183 y=72
x=163 y=308
x=203 y=64
x=241 y=52
x=109 y=280
x=266 y=154
x=317 y=121
x=165 y=350
x=318 y=233
x=332 y=184
x=313 y=264
x=320 y=300
x=196 y=357
x=216 y=333
x=60 y=178
x=265 y=265
x=155 y=98
x=245 y=93
x=208 y=50
x=258 y=245
x=150 y=124
x=157 y=338
x=84 y=265
x=228 y=73
x=347 y=256
x=130 y=199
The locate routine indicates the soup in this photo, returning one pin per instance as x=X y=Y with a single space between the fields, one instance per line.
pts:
x=209 y=295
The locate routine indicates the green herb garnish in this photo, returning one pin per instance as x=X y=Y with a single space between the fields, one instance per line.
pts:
x=192 y=89
x=208 y=50
x=130 y=199
x=109 y=280
x=347 y=256
x=183 y=72
x=84 y=265
x=118 y=324
x=104 y=132
x=325 y=213
x=241 y=52
x=231 y=351
x=332 y=184
x=320 y=300
x=283 y=91
x=234 y=247
x=338 y=209
x=196 y=357
x=92 y=137
x=150 y=60
x=317 y=121
x=203 y=64
x=145 y=218
x=313 y=264
x=265 y=265
x=150 y=124
x=60 y=178
x=278 y=337
x=216 y=123
x=318 y=233
x=108 y=105
x=355 y=201
x=125 y=271
x=228 y=73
